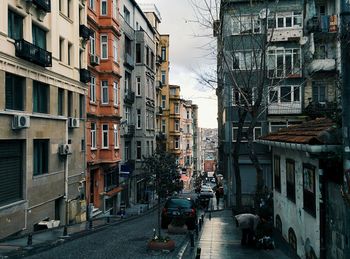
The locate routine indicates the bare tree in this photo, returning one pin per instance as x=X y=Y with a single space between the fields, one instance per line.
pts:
x=247 y=70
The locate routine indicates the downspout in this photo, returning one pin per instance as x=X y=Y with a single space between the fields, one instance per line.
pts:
x=65 y=232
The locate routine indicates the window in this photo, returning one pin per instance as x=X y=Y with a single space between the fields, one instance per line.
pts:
x=319 y=94
x=138 y=150
x=163 y=125
x=41 y=156
x=40 y=97
x=61 y=49
x=309 y=189
x=177 y=125
x=93 y=43
x=147 y=55
x=126 y=15
x=138 y=53
x=127 y=82
x=177 y=108
x=283 y=21
x=277 y=173
x=60 y=5
x=152 y=60
x=138 y=118
x=93 y=89
x=15 y=26
x=177 y=143
x=188 y=115
x=249 y=24
x=69 y=8
x=163 y=53
x=147 y=147
x=244 y=138
x=147 y=120
x=116 y=136
x=285 y=94
x=92 y=4
x=284 y=63
x=115 y=49
x=115 y=9
x=111 y=178
x=70 y=53
x=60 y=101
x=115 y=93
x=188 y=129
x=163 y=101
x=104 y=135
x=104 y=92
x=290 y=172
x=104 y=46
x=93 y=135
x=81 y=106
x=246 y=60
x=70 y=104
x=14 y=92
x=163 y=75
x=103 y=7
x=138 y=86
x=39 y=37
x=127 y=114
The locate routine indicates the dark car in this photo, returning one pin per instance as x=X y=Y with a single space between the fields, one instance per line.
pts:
x=178 y=207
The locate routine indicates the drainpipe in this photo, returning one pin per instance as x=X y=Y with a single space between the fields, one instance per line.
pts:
x=345 y=96
x=65 y=232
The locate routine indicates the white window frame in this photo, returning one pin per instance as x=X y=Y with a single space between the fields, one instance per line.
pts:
x=115 y=93
x=93 y=136
x=93 y=43
x=115 y=50
x=234 y=137
x=116 y=136
x=102 y=3
x=163 y=125
x=138 y=124
x=105 y=136
x=138 y=85
x=163 y=101
x=104 y=44
x=293 y=15
x=163 y=77
x=177 y=108
x=92 y=4
x=273 y=52
x=279 y=96
x=127 y=114
x=104 y=92
x=252 y=21
x=93 y=89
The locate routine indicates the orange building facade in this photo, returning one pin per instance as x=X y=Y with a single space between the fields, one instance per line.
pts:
x=103 y=106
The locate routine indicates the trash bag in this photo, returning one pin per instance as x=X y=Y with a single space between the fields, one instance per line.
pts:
x=265 y=243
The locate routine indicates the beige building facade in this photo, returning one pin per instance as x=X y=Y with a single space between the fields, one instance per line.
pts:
x=42 y=113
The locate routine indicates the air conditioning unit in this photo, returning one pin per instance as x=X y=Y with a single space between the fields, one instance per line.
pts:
x=73 y=122
x=94 y=60
x=65 y=149
x=20 y=122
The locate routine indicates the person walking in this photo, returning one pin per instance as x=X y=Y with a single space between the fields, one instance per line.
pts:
x=217 y=195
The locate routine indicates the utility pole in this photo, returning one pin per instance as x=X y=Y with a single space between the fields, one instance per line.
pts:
x=345 y=96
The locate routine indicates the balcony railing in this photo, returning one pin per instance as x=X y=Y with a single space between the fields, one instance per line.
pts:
x=129 y=131
x=161 y=136
x=32 y=53
x=129 y=97
x=84 y=75
x=84 y=32
x=44 y=5
x=129 y=61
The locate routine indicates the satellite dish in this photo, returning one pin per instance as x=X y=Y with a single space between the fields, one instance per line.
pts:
x=264 y=13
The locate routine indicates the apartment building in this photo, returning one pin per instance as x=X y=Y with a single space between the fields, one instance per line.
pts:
x=103 y=154
x=174 y=141
x=139 y=95
x=43 y=79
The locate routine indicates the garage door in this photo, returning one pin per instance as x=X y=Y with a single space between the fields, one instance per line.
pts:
x=11 y=172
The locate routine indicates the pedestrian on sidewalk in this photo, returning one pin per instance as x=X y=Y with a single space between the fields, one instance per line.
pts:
x=248 y=223
x=217 y=195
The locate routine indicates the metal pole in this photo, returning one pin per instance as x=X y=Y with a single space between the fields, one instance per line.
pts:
x=65 y=231
x=345 y=95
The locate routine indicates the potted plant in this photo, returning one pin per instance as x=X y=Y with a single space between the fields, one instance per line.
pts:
x=160 y=243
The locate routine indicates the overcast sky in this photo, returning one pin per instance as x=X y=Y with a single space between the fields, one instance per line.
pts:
x=189 y=55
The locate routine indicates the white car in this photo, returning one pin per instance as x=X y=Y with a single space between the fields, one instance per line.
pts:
x=206 y=191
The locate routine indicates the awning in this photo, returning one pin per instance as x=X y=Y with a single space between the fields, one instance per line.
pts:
x=114 y=191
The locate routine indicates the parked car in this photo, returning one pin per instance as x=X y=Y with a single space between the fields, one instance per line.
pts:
x=179 y=207
x=206 y=191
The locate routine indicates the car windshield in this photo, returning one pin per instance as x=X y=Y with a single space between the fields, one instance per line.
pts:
x=175 y=203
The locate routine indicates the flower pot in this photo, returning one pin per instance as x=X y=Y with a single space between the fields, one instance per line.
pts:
x=160 y=245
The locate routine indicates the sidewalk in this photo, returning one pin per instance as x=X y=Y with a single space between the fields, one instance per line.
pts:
x=220 y=238
x=51 y=237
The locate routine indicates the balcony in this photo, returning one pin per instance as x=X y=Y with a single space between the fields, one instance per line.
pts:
x=284 y=108
x=324 y=23
x=159 y=85
x=322 y=65
x=84 y=75
x=84 y=32
x=321 y=109
x=44 y=5
x=129 y=131
x=129 y=61
x=161 y=136
x=32 y=53
x=159 y=60
x=129 y=97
